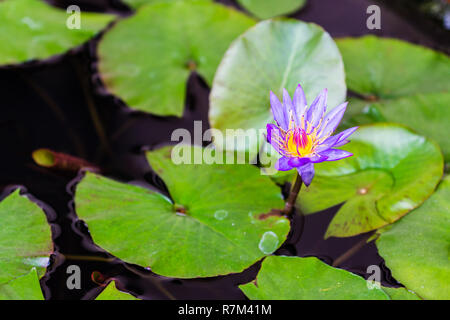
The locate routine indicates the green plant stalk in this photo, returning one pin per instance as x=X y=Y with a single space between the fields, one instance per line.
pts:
x=290 y=203
x=350 y=252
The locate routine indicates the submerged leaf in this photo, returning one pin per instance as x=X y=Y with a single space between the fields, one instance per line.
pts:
x=61 y=161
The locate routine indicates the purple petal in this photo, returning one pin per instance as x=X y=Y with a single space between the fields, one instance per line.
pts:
x=337 y=140
x=327 y=144
x=318 y=158
x=307 y=173
x=317 y=109
x=298 y=162
x=299 y=102
x=271 y=130
x=332 y=119
x=280 y=114
x=336 y=154
x=287 y=102
x=274 y=135
x=341 y=143
x=330 y=141
x=283 y=164
x=346 y=133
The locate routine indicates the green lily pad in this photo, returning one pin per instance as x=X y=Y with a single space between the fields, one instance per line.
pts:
x=400 y=294
x=25 y=237
x=112 y=293
x=293 y=278
x=426 y=113
x=147 y=58
x=25 y=287
x=269 y=57
x=138 y=3
x=392 y=171
x=416 y=248
x=271 y=8
x=32 y=29
x=399 y=82
x=214 y=226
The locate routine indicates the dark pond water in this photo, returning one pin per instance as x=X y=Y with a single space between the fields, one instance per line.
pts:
x=52 y=104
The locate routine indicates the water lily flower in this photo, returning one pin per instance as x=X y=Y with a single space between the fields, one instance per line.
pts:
x=302 y=135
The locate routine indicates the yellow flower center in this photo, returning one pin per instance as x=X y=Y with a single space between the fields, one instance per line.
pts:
x=299 y=143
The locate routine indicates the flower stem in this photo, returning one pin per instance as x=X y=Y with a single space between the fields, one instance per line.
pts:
x=350 y=252
x=290 y=203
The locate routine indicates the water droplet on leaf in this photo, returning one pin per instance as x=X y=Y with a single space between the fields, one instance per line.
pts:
x=269 y=242
x=220 y=214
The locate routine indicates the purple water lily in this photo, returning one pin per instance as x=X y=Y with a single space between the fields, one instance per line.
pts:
x=303 y=135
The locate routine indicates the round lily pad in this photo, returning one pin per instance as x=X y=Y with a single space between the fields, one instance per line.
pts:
x=269 y=57
x=416 y=248
x=215 y=224
x=147 y=58
x=24 y=287
x=32 y=29
x=399 y=82
x=392 y=171
x=112 y=293
x=293 y=278
x=271 y=8
x=25 y=237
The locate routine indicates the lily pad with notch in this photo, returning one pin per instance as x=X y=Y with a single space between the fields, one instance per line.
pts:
x=147 y=58
x=213 y=224
x=392 y=171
